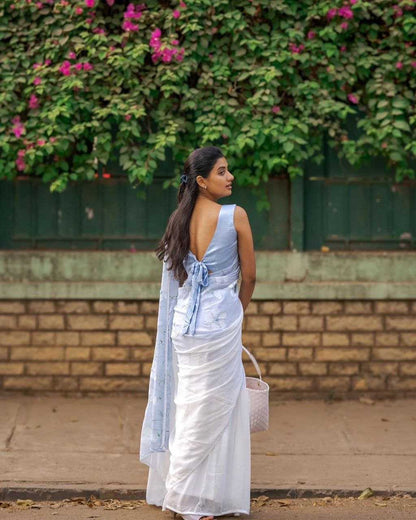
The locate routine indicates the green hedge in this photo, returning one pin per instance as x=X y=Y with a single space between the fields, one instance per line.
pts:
x=263 y=79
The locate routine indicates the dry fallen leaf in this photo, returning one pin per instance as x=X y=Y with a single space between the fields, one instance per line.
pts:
x=381 y=504
x=282 y=503
x=261 y=500
x=366 y=400
x=368 y=492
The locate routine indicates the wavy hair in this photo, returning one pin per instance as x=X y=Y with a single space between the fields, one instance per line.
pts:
x=175 y=241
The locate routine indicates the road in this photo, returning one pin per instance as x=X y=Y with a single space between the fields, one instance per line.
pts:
x=262 y=508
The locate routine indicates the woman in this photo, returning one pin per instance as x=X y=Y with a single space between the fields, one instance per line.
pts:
x=196 y=436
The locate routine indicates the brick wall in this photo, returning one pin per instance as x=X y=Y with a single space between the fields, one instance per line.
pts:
x=304 y=348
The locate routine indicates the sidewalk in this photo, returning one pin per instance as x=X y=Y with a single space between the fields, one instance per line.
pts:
x=55 y=447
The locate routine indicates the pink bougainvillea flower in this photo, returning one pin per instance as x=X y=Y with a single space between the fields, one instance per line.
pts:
x=90 y=3
x=41 y=142
x=39 y=5
x=65 y=68
x=352 y=98
x=64 y=3
x=352 y=2
x=37 y=80
x=275 y=109
x=127 y=117
x=78 y=66
x=155 y=39
x=155 y=56
x=384 y=145
x=331 y=13
x=345 y=12
x=344 y=26
x=48 y=62
x=157 y=33
x=343 y=48
x=176 y=13
x=98 y=30
x=296 y=49
x=110 y=2
x=133 y=11
x=167 y=55
x=20 y=164
x=399 y=65
x=398 y=11
x=18 y=128
x=182 y=4
x=311 y=35
x=87 y=66
x=37 y=65
x=129 y=26
x=179 y=55
x=52 y=139
x=33 y=102
x=413 y=64
x=72 y=55
x=175 y=42
x=79 y=10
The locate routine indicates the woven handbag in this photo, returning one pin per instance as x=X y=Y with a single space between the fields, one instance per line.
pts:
x=258 y=390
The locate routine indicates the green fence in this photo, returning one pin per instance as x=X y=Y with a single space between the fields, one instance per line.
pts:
x=109 y=214
x=333 y=205
x=360 y=209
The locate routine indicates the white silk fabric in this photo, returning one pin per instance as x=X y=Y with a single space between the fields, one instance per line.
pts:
x=206 y=470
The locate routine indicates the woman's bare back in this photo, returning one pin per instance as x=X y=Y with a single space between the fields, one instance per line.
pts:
x=202 y=227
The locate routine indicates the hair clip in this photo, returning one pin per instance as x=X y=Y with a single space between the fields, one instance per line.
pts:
x=184 y=178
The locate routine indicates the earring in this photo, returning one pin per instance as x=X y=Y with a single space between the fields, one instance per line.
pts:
x=205 y=187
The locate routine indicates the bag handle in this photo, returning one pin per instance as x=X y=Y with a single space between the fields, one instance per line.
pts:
x=253 y=359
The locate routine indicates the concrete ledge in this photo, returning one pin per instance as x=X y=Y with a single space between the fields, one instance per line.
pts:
x=48 y=492
x=280 y=275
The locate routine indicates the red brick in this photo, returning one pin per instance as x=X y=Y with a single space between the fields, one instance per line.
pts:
x=301 y=339
x=313 y=369
x=344 y=369
x=335 y=339
x=400 y=323
x=392 y=307
x=358 y=308
x=297 y=307
x=342 y=354
x=270 y=308
x=27 y=383
x=14 y=338
x=126 y=322
x=387 y=339
x=326 y=307
x=284 y=322
x=311 y=322
x=364 y=323
x=290 y=383
x=395 y=354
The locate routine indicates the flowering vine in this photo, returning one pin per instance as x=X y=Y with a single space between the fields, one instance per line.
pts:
x=88 y=81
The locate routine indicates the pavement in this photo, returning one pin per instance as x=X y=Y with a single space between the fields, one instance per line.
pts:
x=55 y=447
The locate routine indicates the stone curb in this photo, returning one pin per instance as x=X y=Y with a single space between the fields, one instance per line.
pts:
x=46 y=493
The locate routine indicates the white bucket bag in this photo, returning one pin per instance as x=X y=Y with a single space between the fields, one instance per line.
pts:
x=258 y=391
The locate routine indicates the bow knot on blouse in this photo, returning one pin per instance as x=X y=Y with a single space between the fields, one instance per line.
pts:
x=199 y=278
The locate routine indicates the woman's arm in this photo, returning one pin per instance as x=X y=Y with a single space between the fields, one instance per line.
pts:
x=246 y=255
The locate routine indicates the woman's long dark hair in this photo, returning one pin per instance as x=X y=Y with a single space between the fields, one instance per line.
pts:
x=175 y=241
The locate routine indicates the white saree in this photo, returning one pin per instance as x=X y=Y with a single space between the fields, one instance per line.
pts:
x=205 y=467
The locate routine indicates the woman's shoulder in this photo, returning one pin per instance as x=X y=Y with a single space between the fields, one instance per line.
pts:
x=240 y=217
